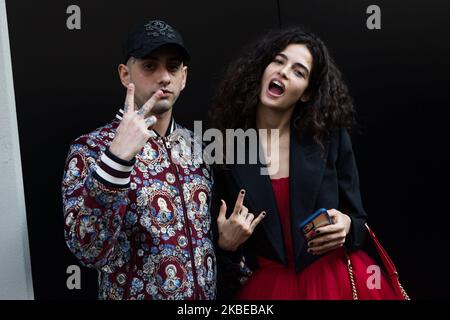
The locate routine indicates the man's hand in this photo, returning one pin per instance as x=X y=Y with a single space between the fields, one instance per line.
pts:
x=331 y=236
x=133 y=131
x=238 y=227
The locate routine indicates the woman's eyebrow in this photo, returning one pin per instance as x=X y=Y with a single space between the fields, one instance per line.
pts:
x=296 y=64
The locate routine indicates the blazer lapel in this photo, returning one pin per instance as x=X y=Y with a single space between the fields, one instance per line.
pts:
x=306 y=167
x=307 y=162
x=259 y=196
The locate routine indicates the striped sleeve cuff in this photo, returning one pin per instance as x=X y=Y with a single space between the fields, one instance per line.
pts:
x=113 y=171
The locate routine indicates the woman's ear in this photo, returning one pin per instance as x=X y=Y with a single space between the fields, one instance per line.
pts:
x=124 y=74
x=305 y=97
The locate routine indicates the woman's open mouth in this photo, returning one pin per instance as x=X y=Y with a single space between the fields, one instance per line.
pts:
x=276 y=88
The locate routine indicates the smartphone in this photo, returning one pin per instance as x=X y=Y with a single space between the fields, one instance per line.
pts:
x=317 y=219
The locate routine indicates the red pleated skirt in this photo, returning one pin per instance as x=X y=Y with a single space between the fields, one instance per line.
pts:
x=325 y=279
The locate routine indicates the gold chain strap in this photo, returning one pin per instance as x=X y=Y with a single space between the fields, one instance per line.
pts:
x=352 y=278
x=353 y=284
x=405 y=295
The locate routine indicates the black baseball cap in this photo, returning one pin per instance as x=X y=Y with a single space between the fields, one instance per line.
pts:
x=150 y=35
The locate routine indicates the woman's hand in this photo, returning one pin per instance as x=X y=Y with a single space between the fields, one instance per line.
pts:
x=331 y=236
x=235 y=230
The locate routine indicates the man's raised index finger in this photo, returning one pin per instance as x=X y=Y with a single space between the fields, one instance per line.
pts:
x=129 y=100
x=148 y=106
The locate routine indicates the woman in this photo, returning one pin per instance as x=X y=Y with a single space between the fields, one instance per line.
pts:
x=288 y=81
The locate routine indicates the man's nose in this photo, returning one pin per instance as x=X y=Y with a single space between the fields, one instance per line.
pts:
x=164 y=76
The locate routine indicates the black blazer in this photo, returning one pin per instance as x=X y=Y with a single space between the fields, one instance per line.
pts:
x=318 y=177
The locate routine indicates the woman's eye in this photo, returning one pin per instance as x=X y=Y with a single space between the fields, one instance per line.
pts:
x=299 y=74
x=278 y=61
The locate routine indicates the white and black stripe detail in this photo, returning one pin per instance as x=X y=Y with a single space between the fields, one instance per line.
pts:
x=119 y=114
x=113 y=171
x=171 y=126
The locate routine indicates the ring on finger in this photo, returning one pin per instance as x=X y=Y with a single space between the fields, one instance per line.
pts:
x=140 y=111
x=150 y=121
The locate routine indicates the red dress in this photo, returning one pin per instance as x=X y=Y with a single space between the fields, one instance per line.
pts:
x=325 y=279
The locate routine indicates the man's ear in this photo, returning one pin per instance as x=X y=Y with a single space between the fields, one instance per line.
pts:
x=185 y=71
x=124 y=74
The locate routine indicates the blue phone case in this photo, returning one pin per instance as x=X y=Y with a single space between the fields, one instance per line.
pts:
x=309 y=226
x=311 y=217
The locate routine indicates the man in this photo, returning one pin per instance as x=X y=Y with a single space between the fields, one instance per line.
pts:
x=130 y=189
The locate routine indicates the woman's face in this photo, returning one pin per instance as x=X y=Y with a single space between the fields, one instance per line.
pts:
x=286 y=78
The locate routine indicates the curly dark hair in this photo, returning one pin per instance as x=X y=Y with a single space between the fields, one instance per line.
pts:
x=329 y=105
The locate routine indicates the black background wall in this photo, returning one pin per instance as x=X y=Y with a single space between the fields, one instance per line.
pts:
x=66 y=84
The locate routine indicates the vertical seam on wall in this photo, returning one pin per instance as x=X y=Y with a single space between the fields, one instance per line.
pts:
x=279 y=14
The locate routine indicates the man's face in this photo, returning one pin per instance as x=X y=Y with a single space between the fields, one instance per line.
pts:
x=162 y=69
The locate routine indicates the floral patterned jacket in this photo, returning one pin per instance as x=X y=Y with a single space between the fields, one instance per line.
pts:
x=144 y=224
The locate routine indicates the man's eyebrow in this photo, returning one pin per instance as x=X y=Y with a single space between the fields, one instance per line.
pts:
x=296 y=64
